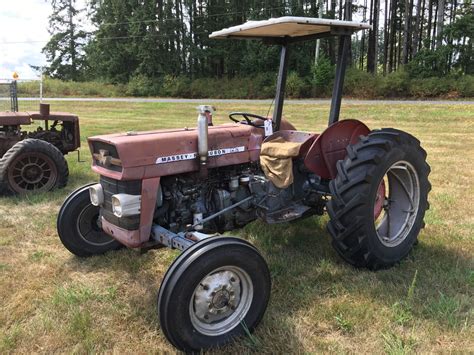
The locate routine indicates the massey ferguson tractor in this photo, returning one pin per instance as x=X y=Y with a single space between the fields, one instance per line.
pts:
x=33 y=160
x=181 y=188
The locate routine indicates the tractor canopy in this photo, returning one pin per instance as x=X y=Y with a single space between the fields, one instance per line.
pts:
x=286 y=30
x=290 y=29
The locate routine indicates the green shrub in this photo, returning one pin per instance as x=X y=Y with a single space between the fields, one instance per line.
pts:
x=466 y=86
x=323 y=75
x=395 y=84
x=357 y=84
x=58 y=88
x=176 y=86
x=141 y=85
x=360 y=84
x=263 y=85
x=430 y=63
x=296 y=86
x=431 y=87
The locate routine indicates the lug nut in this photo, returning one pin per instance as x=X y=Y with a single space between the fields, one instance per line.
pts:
x=232 y=279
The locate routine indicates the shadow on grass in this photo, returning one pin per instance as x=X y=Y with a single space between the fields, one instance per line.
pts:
x=313 y=285
x=77 y=179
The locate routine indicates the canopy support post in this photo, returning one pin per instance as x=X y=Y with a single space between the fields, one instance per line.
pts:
x=344 y=42
x=280 y=88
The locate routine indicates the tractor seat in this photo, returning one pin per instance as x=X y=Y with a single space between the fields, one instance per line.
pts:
x=276 y=159
x=14 y=118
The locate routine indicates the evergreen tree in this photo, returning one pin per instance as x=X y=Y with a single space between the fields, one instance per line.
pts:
x=64 y=51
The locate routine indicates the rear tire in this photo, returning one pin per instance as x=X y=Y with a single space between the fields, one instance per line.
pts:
x=369 y=227
x=214 y=292
x=78 y=229
x=32 y=165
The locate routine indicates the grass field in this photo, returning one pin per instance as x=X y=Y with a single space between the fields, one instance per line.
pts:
x=52 y=301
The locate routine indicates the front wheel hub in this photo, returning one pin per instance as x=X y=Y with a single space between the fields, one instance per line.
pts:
x=221 y=300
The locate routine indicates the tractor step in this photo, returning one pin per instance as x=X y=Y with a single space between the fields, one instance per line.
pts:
x=286 y=214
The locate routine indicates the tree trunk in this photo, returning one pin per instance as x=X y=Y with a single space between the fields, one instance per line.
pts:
x=416 y=31
x=362 y=40
x=433 y=35
x=385 y=38
x=393 y=20
x=439 y=24
x=406 y=31
x=430 y=18
x=72 y=45
x=422 y=20
x=372 y=50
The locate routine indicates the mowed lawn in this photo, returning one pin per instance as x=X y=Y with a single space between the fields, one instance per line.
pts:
x=52 y=301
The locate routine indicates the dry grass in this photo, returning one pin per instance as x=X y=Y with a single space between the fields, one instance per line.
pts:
x=55 y=302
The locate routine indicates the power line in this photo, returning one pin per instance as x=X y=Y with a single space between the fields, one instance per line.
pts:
x=114 y=37
x=194 y=17
x=148 y=21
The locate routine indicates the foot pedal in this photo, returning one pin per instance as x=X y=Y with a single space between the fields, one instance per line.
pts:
x=286 y=214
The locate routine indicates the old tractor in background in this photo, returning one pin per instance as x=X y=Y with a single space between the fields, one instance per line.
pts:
x=32 y=147
x=180 y=188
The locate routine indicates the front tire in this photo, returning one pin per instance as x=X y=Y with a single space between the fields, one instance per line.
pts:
x=78 y=229
x=379 y=199
x=214 y=292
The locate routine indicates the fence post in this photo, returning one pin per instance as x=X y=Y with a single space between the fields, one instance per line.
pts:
x=41 y=85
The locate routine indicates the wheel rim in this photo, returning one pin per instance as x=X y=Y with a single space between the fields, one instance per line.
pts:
x=88 y=228
x=32 y=171
x=221 y=300
x=400 y=193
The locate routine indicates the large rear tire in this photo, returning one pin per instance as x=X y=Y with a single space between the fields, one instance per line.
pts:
x=32 y=165
x=379 y=199
x=214 y=292
x=78 y=229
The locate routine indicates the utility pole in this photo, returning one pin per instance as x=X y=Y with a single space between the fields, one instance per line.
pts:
x=318 y=41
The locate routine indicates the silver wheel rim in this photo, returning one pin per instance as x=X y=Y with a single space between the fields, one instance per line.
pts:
x=221 y=300
x=400 y=205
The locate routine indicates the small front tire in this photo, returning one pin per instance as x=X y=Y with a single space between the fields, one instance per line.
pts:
x=78 y=229
x=214 y=292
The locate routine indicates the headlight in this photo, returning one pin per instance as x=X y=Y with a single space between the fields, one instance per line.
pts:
x=124 y=205
x=116 y=206
x=96 y=194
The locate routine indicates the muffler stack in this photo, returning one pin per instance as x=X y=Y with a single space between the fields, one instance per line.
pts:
x=203 y=144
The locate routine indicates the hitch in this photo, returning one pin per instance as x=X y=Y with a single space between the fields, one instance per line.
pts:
x=162 y=237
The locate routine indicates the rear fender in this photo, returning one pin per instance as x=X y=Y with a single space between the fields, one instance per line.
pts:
x=331 y=145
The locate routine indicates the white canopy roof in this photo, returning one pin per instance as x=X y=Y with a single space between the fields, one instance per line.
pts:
x=288 y=26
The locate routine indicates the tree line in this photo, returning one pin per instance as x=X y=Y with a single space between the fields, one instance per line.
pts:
x=156 y=39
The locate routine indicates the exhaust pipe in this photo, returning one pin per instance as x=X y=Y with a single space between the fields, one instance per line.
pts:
x=203 y=144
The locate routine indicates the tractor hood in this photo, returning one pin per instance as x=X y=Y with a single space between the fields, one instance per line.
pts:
x=140 y=155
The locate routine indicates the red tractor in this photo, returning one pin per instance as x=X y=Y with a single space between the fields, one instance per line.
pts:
x=32 y=160
x=180 y=188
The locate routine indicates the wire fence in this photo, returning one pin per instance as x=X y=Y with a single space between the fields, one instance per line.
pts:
x=20 y=95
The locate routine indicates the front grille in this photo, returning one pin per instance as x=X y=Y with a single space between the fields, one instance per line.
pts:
x=112 y=187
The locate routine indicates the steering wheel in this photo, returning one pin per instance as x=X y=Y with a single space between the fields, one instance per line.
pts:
x=247 y=117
